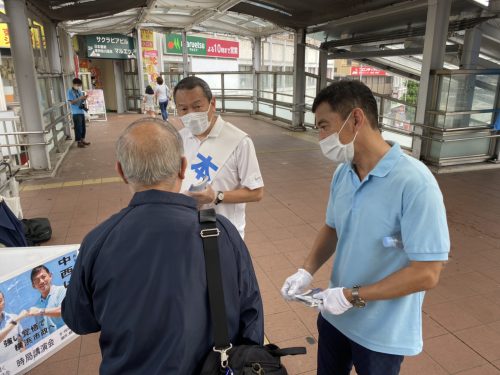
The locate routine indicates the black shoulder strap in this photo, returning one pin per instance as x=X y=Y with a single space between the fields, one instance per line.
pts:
x=209 y=234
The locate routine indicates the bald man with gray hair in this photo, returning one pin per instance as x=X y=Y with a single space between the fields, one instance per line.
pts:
x=140 y=276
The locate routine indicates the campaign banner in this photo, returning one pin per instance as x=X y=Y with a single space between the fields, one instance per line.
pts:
x=33 y=283
x=96 y=105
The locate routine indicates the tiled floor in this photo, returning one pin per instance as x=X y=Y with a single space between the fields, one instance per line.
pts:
x=461 y=316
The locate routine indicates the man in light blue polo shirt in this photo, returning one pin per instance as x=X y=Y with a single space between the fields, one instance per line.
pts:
x=371 y=312
x=47 y=308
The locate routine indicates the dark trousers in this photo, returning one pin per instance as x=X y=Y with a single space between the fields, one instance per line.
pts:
x=163 y=109
x=337 y=354
x=80 y=128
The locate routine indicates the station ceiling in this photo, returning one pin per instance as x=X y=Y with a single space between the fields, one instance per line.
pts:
x=342 y=25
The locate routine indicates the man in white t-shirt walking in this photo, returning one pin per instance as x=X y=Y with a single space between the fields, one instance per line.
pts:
x=216 y=151
x=162 y=93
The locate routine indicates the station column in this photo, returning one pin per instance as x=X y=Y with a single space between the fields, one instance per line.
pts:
x=436 y=33
x=299 y=79
x=26 y=78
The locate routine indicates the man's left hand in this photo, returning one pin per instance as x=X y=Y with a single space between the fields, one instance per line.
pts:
x=206 y=196
x=35 y=311
x=334 y=301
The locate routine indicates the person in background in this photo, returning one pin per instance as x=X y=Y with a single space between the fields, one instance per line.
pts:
x=77 y=99
x=162 y=94
x=371 y=312
x=149 y=101
x=140 y=276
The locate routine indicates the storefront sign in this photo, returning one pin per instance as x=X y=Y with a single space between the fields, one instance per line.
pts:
x=111 y=46
x=202 y=46
x=35 y=337
x=147 y=39
x=366 y=71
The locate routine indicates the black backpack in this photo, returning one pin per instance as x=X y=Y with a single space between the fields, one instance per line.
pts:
x=37 y=230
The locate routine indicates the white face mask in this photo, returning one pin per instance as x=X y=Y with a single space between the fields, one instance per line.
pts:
x=197 y=122
x=334 y=150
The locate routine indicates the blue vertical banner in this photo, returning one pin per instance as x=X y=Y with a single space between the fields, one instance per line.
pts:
x=31 y=327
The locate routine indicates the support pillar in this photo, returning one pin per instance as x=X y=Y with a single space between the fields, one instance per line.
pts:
x=185 y=63
x=256 y=59
x=140 y=64
x=299 y=79
x=323 y=69
x=26 y=78
x=436 y=32
x=469 y=60
x=121 y=104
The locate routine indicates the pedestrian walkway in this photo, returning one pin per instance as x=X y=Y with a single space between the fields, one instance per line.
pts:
x=461 y=316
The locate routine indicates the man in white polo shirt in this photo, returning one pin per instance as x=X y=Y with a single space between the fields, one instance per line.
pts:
x=217 y=151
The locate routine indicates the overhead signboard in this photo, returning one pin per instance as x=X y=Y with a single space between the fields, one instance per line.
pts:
x=366 y=71
x=199 y=46
x=110 y=46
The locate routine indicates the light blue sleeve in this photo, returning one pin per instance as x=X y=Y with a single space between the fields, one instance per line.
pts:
x=424 y=228
x=71 y=95
x=330 y=220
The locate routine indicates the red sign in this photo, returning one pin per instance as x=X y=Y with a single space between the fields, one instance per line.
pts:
x=366 y=71
x=151 y=53
x=223 y=48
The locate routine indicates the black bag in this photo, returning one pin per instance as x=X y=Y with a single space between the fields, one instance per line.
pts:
x=37 y=230
x=241 y=359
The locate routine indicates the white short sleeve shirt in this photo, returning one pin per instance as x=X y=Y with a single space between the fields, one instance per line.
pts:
x=241 y=170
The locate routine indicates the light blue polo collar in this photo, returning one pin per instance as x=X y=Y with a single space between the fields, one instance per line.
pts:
x=385 y=165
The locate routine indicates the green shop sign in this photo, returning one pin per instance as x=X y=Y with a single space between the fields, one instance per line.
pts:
x=110 y=46
x=195 y=45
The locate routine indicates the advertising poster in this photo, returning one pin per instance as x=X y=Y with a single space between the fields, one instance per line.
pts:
x=31 y=327
x=96 y=105
x=150 y=55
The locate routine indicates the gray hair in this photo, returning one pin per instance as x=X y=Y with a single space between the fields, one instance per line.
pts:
x=151 y=156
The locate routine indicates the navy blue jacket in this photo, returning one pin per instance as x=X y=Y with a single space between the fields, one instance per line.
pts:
x=140 y=279
x=11 y=229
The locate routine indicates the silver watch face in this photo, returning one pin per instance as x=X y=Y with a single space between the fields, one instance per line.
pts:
x=220 y=196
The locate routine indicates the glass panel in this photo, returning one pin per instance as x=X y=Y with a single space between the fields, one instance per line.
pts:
x=246 y=105
x=284 y=85
x=404 y=141
x=266 y=108
x=214 y=81
x=311 y=87
x=43 y=94
x=397 y=115
x=309 y=118
x=238 y=84
x=284 y=113
x=265 y=84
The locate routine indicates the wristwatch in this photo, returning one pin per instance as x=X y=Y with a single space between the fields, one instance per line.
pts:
x=219 y=197
x=13 y=322
x=356 y=300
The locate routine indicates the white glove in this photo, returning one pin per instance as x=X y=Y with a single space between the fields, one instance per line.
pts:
x=296 y=284
x=334 y=301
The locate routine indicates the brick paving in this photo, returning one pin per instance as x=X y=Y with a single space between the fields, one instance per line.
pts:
x=461 y=316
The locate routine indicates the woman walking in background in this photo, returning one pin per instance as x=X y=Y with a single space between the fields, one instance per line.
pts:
x=162 y=93
x=149 y=102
